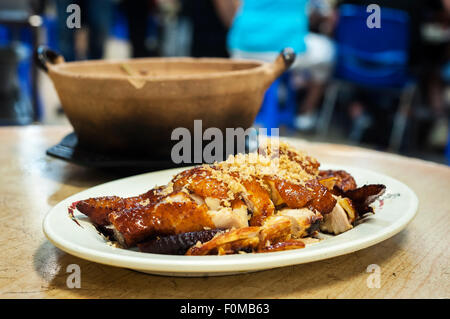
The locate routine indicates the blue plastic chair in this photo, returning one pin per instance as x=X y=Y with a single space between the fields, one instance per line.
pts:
x=272 y=114
x=25 y=80
x=119 y=27
x=373 y=58
x=447 y=150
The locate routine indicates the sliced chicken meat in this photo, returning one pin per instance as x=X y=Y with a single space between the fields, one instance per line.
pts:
x=266 y=202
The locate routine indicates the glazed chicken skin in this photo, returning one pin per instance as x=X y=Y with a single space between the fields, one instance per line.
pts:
x=175 y=213
x=266 y=201
x=201 y=183
x=99 y=208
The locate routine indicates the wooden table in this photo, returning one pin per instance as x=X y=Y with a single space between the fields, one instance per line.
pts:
x=414 y=263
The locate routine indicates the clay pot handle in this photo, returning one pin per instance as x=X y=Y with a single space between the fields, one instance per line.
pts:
x=284 y=60
x=45 y=57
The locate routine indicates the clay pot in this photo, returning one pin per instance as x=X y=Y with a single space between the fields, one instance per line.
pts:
x=134 y=105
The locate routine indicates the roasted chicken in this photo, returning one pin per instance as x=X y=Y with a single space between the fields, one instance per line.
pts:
x=258 y=202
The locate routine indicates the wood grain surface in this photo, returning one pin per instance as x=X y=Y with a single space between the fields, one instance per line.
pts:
x=414 y=263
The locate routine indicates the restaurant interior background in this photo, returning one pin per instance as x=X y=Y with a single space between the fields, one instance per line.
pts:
x=390 y=95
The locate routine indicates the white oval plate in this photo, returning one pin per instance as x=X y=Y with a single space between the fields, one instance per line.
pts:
x=396 y=209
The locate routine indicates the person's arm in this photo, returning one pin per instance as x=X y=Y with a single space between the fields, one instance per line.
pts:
x=446 y=5
x=226 y=10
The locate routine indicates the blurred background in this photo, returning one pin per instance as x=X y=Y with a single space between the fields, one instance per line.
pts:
x=387 y=90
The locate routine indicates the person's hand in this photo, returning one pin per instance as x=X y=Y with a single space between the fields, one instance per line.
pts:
x=226 y=10
x=446 y=5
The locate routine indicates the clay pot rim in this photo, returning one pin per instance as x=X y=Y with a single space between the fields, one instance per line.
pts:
x=257 y=68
